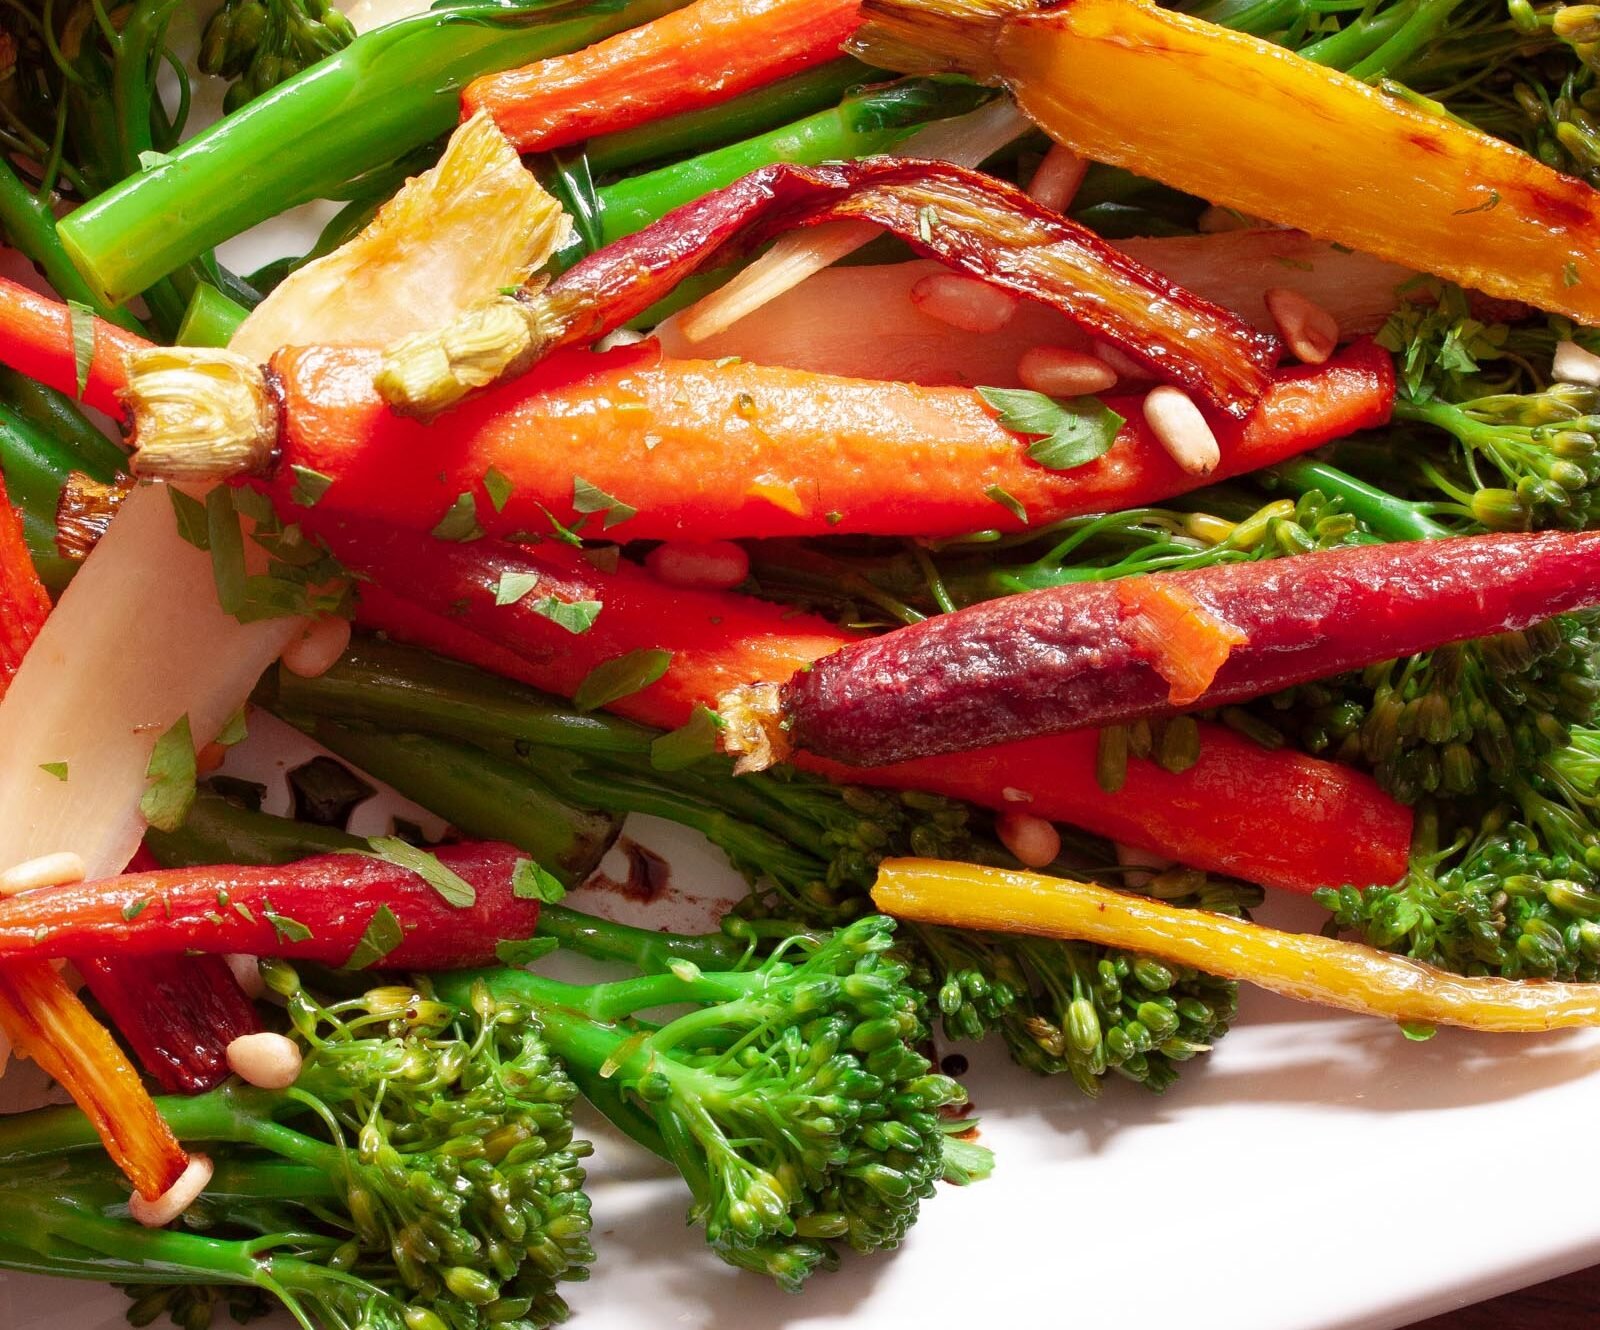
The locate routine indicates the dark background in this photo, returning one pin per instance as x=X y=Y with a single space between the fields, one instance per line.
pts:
x=1562 y=1304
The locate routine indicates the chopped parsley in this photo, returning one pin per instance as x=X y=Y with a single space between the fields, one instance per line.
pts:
x=1066 y=434
x=621 y=677
x=169 y=793
x=588 y=498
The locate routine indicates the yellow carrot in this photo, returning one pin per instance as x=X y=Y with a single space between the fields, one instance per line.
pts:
x=1302 y=966
x=1249 y=125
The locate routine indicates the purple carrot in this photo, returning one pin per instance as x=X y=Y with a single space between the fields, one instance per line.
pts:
x=965 y=219
x=1104 y=653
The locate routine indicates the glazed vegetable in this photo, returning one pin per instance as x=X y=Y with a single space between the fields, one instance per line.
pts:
x=967 y=220
x=257 y=44
x=389 y=91
x=703 y=54
x=631 y=443
x=46 y=1021
x=40 y=341
x=340 y=909
x=791 y=1096
x=379 y=1216
x=1292 y=821
x=24 y=603
x=1311 y=147
x=1302 y=966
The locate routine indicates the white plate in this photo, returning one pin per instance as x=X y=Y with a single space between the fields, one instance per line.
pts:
x=1314 y=1173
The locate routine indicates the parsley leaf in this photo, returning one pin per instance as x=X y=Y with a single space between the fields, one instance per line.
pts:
x=134 y=908
x=226 y=541
x=512 y=587
x=1067 y=433
x=309 y=486
x=526 y=951
x=498 y=488
x=234 y=730
x=1008 y=501
x=454 y=888
x=690 y=743
x=56 y=769
x=148 y=160
x=621 y=677
x=287 y=929
x=576 y=616
x=191 y=515
x=461 y=522
x=533 y=882
x=587 y=498
x=81 y=320
x=383 y=934
x=171 y=772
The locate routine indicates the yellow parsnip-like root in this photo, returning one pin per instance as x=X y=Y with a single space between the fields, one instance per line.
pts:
x=1303 y=966
x=1243 y=123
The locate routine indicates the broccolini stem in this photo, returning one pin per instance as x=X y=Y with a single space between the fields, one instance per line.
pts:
x=387 y=92
x=1389 y=517
x=211 y=318
x=642 y=948
x=738 y=118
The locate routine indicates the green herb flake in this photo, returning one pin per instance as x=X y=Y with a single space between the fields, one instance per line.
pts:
x=1298 y=265
x=149 y=160
x=526 y=952
x=576 y=616
x=1008 y=501
x=213 y=918
x=621 y=677
x=1488 y=205
x=1067 y=434
x=1569 y=274
x=191 y=515
x=927 y=219
x=309 y=486
x=171 y=775
x=383 y=934
x=588 y=498
x=512 y=587
x=244 y=912
x=287 y=929
x=461 y=522
x=80 y=319
x=604 y=557
x=567 y=535
x=498 y=488
x=56 y=769
x=689 y=743
x=133 y=909
x=451 y=886
x=235 y=730
x=226 y=540
x=533 y=882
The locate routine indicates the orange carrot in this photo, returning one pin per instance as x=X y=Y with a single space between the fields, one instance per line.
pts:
x=44 y=1019
x=1278 y=818
x=36 y=337
x=697 y=56
x=652 y=448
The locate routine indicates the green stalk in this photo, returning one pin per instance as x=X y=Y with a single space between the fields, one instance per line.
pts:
x=740 y=117
x=59 y=418
x=30 y=227
x=389 y=91
x=220 y=832
x=211 y=318
x=484 y=798
x=641 y=948
x=860 y=126
x=1391 y=518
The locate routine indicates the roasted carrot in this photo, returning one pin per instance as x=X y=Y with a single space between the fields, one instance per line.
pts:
x=24 y=602
x=697 y=56
x=37 y=337
x=1305 y=145
x=45 y=1020
x=1084 y=654
x=646 y=447
x=1279 y=818
x=336 y=908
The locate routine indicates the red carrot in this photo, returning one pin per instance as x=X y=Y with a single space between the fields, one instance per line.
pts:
x=1079 y=656
x=1278 y=818
x=697 y=56
x=36 y=337
x=47 y=1022
x=24 y=602
x=337 y=908
x=629 y=443
x=967 y=220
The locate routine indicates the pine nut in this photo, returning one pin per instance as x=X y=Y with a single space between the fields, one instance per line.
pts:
x=1056 y=181
x=714 y=565
x=1306 y=328
x=1573 y=364
x=318 y=649
x=1057 y=372
x=176 y=1199
x=1214 y=221
x=1142 y=865
x=1122 y=365
x=48 y=870
x=963 y=302
x=1012 y=795
x=271 y=1061
x=1176 y=421
x=1034 y=842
